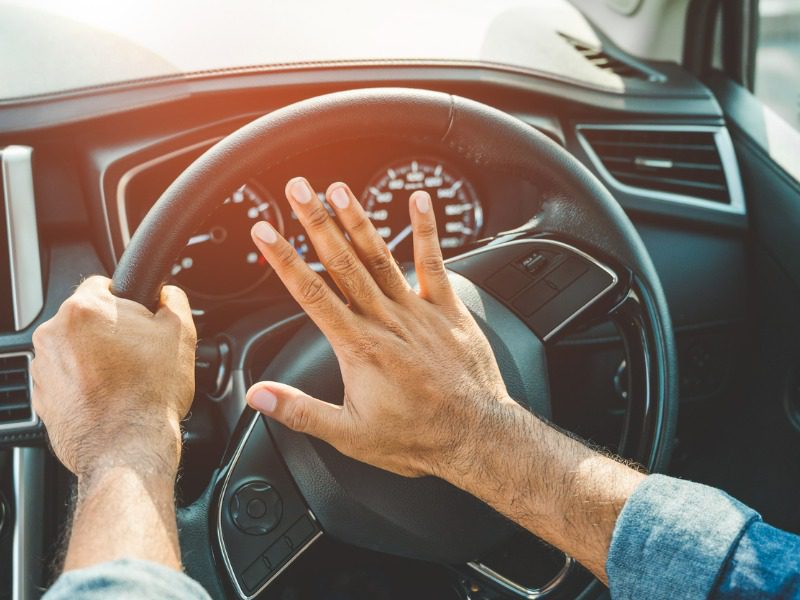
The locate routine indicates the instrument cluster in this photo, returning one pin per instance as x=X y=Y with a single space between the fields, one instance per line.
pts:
x=220 y=261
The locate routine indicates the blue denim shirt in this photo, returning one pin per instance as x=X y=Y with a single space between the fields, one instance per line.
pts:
x=673 y=539
x=677 y=539
x=126 y=579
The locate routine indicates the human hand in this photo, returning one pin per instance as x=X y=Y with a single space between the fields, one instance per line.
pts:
x=112 y=381
x=417 y=370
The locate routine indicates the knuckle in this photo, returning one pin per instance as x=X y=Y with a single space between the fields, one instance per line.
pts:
x=343 y=262
x=175 y=291
x=318 y=217
x=365 y=347
x=312 y=291
x=427 y=229
x=433 y=265
x=298 y=416
x=380 y=263
x=77 y=307
x=286 y=256
x=361 y=225
x=97 y=279
x=398 y=330
x=39 y=336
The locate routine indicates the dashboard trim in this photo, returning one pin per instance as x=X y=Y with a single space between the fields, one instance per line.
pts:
x=26 y=554
x=27 y=295
x=727 y=158
x=24 y=114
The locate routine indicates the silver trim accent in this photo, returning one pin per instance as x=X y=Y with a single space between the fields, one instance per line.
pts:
x=122 y=184
x=727 y=157
x=26 y=557
x=577 y=313
x=34 y=418
x=23 y=236
x=520 y=590
x=653 y=163
x=221 y=541
x=3 y=513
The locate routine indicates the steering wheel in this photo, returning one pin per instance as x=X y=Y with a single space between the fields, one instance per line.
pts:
x=579 y=259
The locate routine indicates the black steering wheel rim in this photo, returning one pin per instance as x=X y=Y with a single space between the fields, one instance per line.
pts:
x=575 y=206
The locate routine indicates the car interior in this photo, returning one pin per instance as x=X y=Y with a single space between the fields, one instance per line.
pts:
x=143 y=141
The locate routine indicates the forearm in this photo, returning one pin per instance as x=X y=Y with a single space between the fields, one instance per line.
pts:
x=549 y=483
x=126 y=509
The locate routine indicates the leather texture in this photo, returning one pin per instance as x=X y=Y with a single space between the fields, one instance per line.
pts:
x=574 y=206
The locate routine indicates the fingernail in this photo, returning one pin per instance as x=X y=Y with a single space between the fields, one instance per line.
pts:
x=423 y=201
x=263 y=400
x=301 y=191
x=265 y=232
x=340 y=197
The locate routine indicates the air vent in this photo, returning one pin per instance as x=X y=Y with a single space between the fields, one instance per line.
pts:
x=603 y=60
x=671 y=161
x=15 y=390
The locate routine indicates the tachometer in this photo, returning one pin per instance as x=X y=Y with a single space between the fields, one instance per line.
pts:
x=220 y=259
x=459 y=214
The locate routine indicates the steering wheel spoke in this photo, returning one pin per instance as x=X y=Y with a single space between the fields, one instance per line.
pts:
x=262 y=522
x=551 y=285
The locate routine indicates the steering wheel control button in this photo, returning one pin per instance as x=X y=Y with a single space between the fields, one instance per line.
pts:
x=569 y=271
x=254 y=575
x=300 y=532
x=535 y=297
x=533 y=262
x=577 y=295
x=507 y=282
x=256 y=508
x=278 y=552
x=546 y=283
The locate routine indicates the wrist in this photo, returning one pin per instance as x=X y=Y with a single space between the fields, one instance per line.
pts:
x=486 y=428
x=152 y=456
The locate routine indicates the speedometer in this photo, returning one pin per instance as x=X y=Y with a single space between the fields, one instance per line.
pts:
x=459 y=214
x=220 y=260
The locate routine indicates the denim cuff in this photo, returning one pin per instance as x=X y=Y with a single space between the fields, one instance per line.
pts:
x=125 y=579
x=672 y=539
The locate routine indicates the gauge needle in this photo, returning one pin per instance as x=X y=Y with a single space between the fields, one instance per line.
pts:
x=395 y=241
x=198 y=239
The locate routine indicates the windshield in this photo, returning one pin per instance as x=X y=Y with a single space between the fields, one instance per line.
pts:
x=51 y=46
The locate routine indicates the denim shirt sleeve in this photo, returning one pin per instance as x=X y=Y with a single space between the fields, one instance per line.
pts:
x=675 y=539
x=125 y=579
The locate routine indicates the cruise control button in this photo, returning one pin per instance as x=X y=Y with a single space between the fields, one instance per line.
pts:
x=300 y=532
x=507 y=282
x=532 y=299
x=255 y=574
x=569 y=271
x=278 y=552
